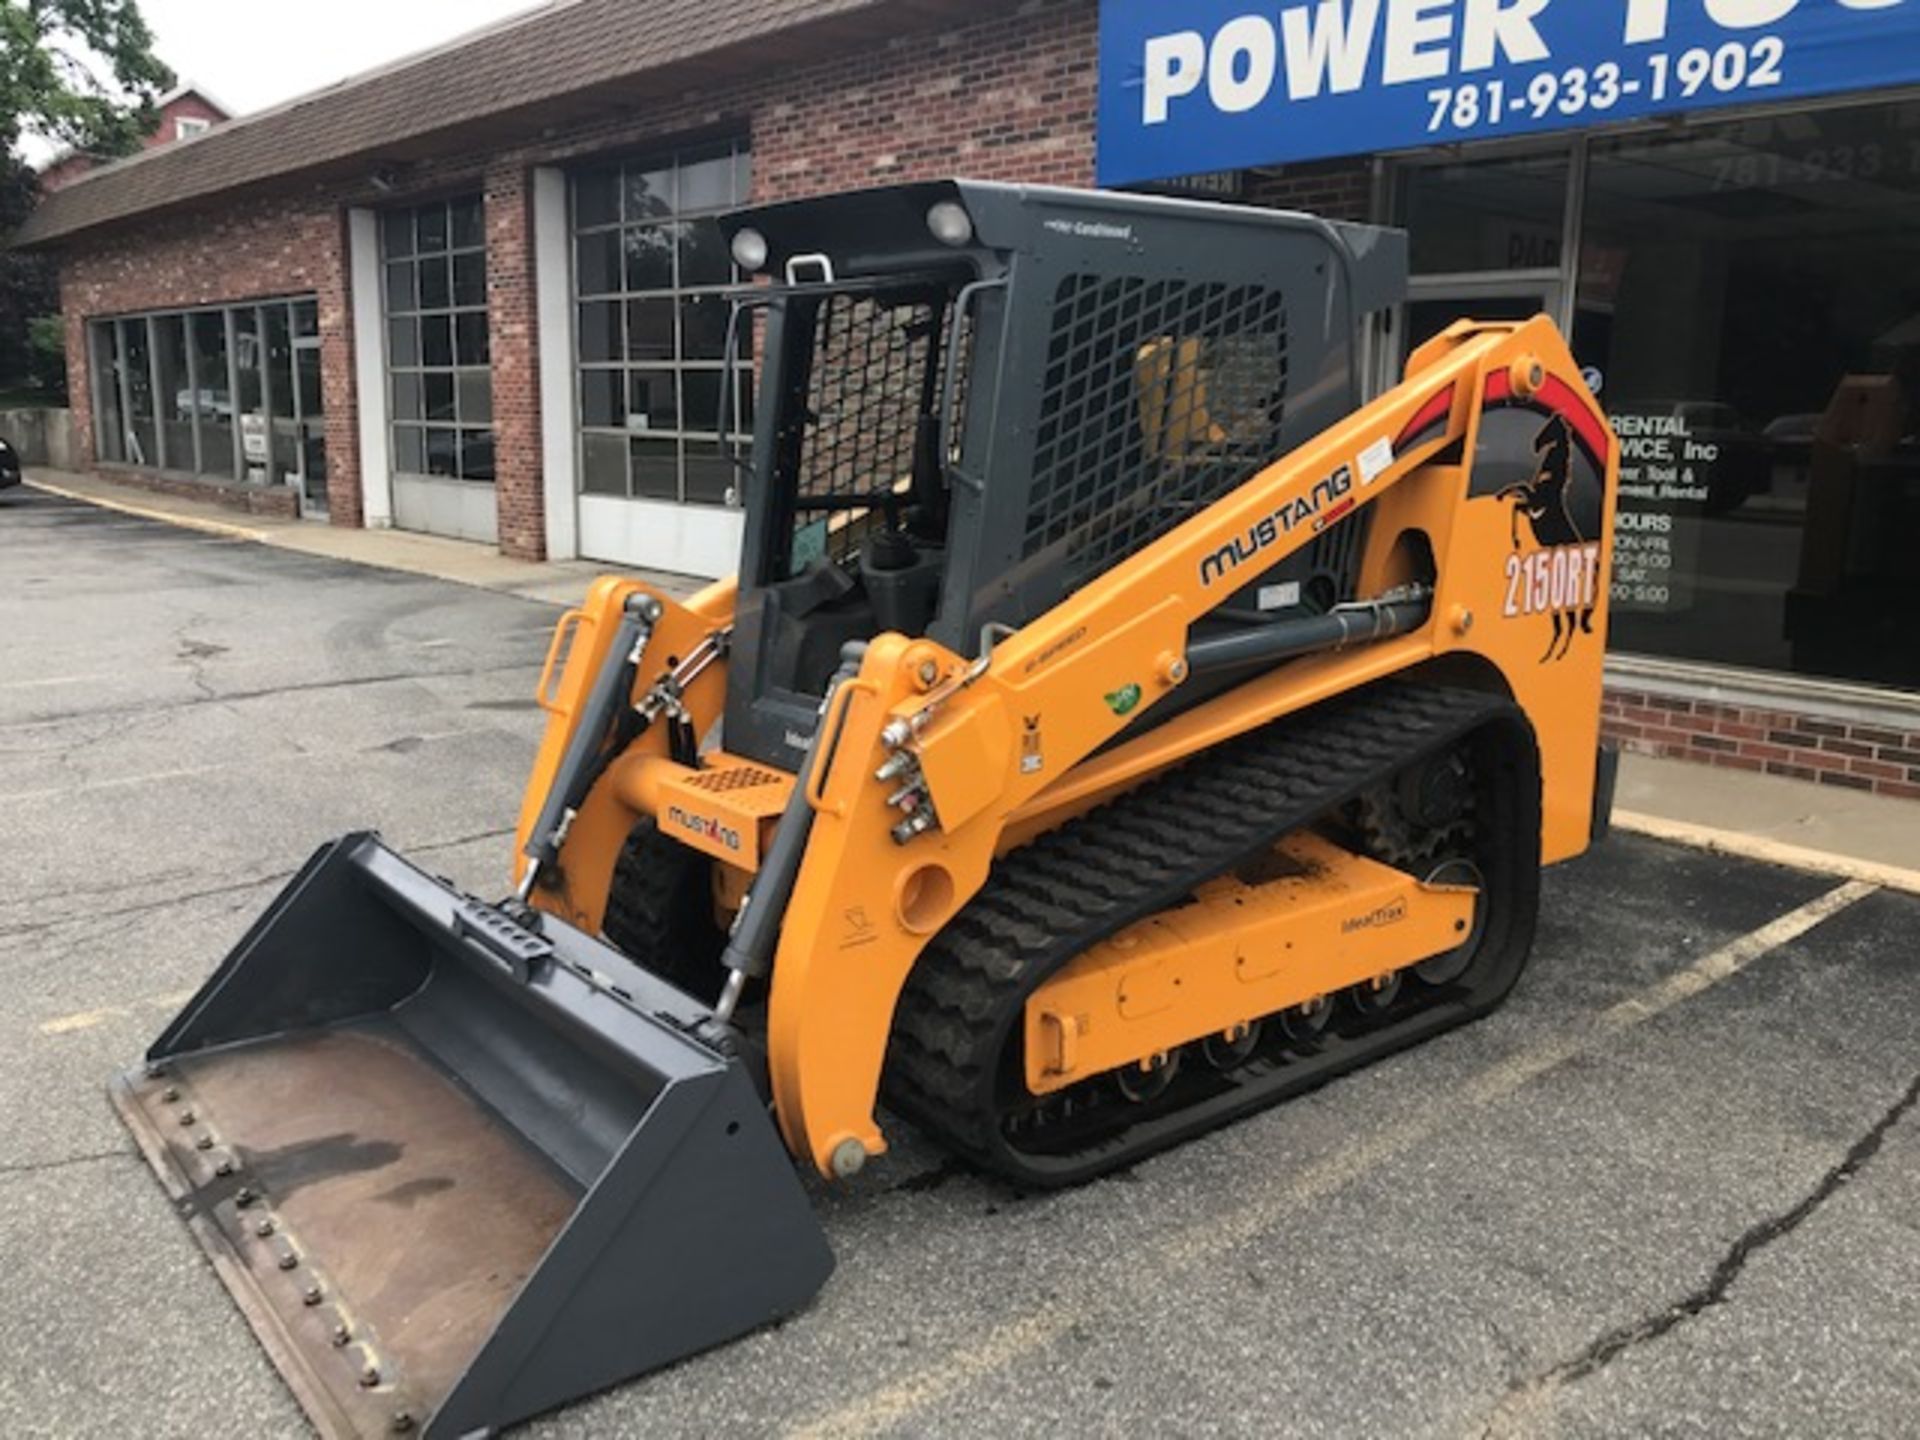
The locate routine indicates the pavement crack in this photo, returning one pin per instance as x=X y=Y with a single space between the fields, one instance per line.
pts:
x=196 y=653
x=231 y=887
x=141 y=907
x=65 y=1162
x=209 y=697
x=1523 y=1402
x=475 y=839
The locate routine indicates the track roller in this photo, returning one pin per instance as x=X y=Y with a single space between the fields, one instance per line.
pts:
x=1376 y=996
x=1303 y=1025
x=1150 y=1078
x=1231 y=1050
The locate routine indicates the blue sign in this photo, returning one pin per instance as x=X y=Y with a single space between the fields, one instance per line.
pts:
x=1222 y=84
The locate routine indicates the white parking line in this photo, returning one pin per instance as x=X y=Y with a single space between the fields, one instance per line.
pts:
x=1773 y=852
x=1200 y=1243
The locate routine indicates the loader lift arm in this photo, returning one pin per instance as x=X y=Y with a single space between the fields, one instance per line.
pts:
x=969 y=754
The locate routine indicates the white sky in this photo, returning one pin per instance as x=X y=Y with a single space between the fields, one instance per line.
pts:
x=255 y=53
x=250 y=54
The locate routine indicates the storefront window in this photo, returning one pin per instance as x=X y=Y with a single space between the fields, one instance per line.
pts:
x=1495 y=213
x=650 y=264
x=110 y=431
x=137 y=365
x=438 y=343
x=213 y=398
x=176 y=394
x=165 y=393
x=1750 y=293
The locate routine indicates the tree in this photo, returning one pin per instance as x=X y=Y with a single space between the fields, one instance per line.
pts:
x=78 y=73
x=29 y=292
x=81 y=73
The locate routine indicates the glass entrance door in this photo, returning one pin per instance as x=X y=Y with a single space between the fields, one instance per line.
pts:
x=309 y=410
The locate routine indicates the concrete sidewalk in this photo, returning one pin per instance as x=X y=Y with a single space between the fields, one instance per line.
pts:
x=1786 y=822
x=561 y=582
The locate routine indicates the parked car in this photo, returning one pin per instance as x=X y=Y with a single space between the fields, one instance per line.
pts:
x=205 y=402
x=9 y=465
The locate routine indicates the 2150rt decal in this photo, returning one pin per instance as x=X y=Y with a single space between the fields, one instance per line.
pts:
x=1545 y=458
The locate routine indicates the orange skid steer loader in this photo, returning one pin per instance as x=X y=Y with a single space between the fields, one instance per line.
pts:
x=1118 y=724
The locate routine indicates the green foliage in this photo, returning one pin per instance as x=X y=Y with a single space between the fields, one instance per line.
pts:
x=79 y=72
x=29 y=288
x=47 y=355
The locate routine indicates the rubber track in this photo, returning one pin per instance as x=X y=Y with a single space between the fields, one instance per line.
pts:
x=657 y=913
x=1126 y=860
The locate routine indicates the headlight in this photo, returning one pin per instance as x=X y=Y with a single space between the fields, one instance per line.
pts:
x=950 y=224
x=749 y=250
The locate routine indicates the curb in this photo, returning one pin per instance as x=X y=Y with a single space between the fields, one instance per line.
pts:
x=1769 y=852
x=161 y=517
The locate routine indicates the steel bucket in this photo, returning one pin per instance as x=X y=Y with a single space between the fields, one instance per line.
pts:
x=456 y=1172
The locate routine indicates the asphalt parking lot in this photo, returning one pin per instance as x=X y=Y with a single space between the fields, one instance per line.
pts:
x=1672 y=1188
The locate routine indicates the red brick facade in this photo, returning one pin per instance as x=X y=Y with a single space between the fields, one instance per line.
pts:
x=1854 y=755
x=512 y=320
x=1337 y=189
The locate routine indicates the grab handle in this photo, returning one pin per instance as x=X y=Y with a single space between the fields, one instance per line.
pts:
x=831 y=724
x=562 y=643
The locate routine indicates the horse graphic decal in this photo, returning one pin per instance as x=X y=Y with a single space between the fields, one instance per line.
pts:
x=1560 y=576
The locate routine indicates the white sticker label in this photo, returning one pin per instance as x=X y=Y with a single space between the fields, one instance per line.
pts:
x=1374 y=460
x=1280 y=597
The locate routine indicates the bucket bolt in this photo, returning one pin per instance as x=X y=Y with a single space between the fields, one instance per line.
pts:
x=370 y=1377
x=341 y=1334
x=187 y=1117
x=311 y=1295
x=170 y=1094
x=289 y=1260
x=205 y=1142
x=223 y=1167
x=244 y=1196
x=402 y=1422
x=264 y=1228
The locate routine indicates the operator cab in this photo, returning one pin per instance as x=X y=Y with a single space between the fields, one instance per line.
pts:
x=976 y=398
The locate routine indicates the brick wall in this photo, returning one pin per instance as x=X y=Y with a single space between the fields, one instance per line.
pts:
x=275 y=500
x=1336 y=189
x=1855 y=755
x=512 y=311
x=1011 y=98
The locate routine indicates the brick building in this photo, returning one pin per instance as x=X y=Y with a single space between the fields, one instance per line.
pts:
x=477 y=293
x=181 y=114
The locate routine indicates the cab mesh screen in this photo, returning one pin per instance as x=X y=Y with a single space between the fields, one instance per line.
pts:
x=872 y=359
x=1160 y=397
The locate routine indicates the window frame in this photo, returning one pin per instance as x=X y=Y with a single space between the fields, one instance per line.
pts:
x=107 y=364
x=417 y=424
x=620 y=300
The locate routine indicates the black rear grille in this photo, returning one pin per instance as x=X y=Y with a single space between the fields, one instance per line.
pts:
x=1160 y=397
